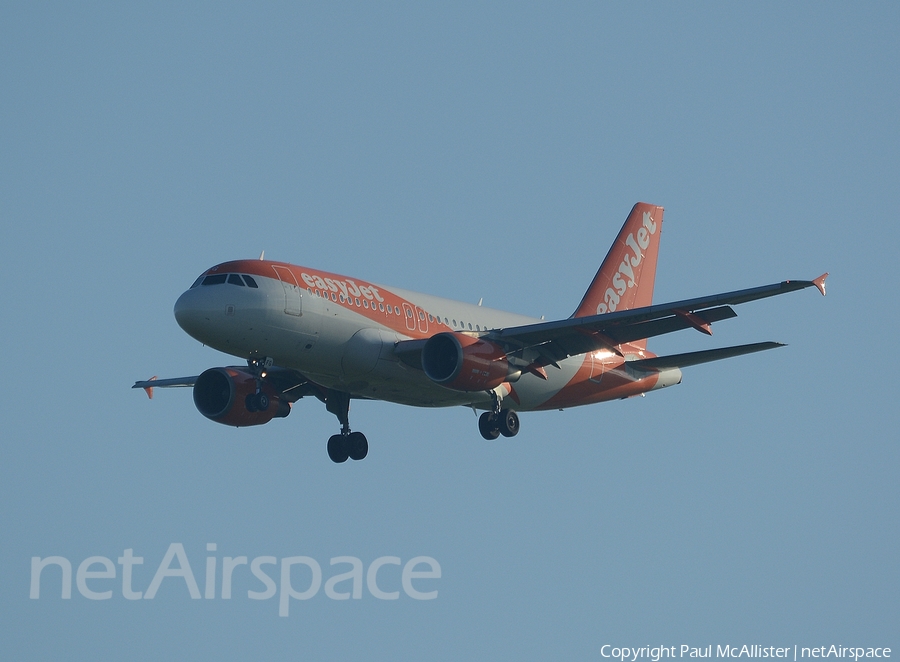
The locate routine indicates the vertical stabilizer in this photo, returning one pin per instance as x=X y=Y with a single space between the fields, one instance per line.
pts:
x=625 y=279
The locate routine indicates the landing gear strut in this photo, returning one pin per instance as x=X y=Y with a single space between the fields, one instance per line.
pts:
x=347 y=444
x=258 y=401
x=491 y=424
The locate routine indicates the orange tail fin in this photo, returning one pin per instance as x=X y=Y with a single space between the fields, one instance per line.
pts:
x=625 y=279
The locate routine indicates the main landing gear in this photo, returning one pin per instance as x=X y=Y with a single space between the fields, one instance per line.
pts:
x=347 y=444
x=491 y=424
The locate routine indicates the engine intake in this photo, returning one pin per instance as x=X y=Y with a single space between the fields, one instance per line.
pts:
x=222 y=395
x=464 y=363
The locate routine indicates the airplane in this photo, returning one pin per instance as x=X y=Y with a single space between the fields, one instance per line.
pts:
x=306 y=332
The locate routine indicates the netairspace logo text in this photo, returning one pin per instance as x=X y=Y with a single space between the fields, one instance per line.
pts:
x=417 y=574
x=795 y=652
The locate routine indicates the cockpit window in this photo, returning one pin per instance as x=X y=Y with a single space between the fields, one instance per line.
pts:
x=216 y=279
x=232 y=279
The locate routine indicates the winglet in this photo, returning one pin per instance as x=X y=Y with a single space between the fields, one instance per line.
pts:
x=820 y=283
x=149 y=389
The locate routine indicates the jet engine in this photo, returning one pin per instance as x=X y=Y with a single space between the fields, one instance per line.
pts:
x=464 y=363
x=228 y=396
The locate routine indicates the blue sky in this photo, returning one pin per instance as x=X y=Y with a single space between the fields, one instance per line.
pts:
x=467 y=151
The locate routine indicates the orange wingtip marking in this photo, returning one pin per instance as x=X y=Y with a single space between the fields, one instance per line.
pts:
x=149 y=389
x=820 y=283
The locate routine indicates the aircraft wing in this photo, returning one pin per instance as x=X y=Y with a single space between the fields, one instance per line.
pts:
x=554 y=341
x=149 y=384
x=153 y=382
x=290 y=383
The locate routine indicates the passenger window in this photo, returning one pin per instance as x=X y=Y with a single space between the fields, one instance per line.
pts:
x=421 y=315
x=470 y=326
x=397 y=310
x=217 y=279
x=234 y=279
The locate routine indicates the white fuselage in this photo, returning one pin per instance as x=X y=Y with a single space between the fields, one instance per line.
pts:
x=341 y=336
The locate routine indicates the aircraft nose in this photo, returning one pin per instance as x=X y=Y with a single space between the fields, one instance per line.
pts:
x=189 y=314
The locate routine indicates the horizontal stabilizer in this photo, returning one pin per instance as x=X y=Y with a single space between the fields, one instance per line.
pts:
x=695 y=358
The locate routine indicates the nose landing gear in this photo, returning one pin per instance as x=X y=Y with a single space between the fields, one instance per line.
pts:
x=258 y=401
x=347 y=444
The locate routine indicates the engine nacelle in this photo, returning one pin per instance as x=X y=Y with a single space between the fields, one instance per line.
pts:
x=221 y=394
x=464 y=363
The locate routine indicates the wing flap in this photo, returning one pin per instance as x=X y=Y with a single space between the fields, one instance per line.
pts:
x=665 y=325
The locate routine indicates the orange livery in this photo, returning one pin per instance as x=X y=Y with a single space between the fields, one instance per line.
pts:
x=305 y=332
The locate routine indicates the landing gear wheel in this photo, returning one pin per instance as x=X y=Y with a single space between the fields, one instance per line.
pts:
x=345 y=445
x=509 y=423
x=338 y=448
x=488 y=426
x=357 y=445
x=256 y=402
